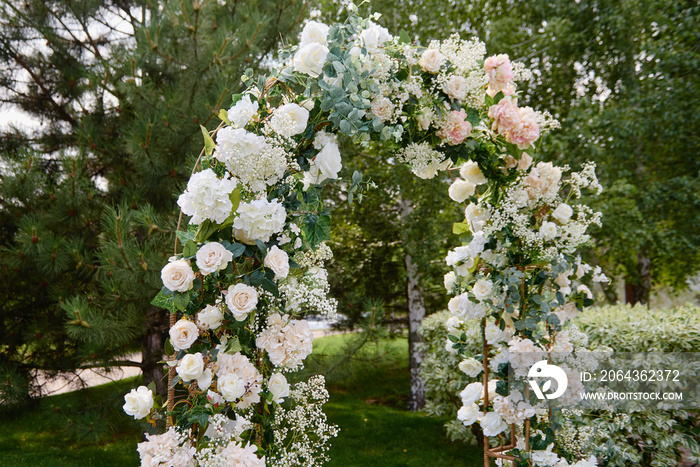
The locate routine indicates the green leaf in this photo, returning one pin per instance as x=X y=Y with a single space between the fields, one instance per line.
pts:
x=185 y=237
x=233 y=345
x=271 y=287
x=208 y=142
x=317 y=228
x=236 y=248
x=205 y=230
x=181 y=300
x=357 y=177
x=176 y=380
x=261 y=246
x=190 y=249
x=404 y=38
x=458 y=228
x=235 y=198
x=223 y=116
x=257 y=278
x=169 y=349
x=163 y=301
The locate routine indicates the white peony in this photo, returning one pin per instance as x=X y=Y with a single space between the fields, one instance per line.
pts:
x=241 y=300
x=177 y=276
x=471 y=367
x=210 y=317
x=471 y=172
x=482 y=289
x=243 y=111
x=456 y=87
x=468 y=414
x=278 y=261
x=548 y=230
x=314 y=32
x=279 y=387
x=139 y=402
x=563 y=213
x=431 y=60
x=373 y=37
x=492 y=424
x=213 y=257
x=183 y=334
x=231 y=386
x=258 y=220
x=310 y=59
x=190 y=367
x=472 y=393
x=460 y=190
x=207 y=197
x=289 y=120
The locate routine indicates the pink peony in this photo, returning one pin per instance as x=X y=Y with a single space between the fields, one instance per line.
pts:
x=499 y=72
x=526 y=131
x=505 y=115
x=456 y=129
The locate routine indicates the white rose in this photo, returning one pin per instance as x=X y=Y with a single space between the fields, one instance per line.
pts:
x=289 y=120
x=213 y=257
x=493 y=334
x=183 y=334
x=310 y=59
x=545 y=458
x=470 y=171
x=373 y=37
x=139 y=402
x=382 y=108
x=468 y=414
x=328 y=162
x=460 y=190
x=492 y=424
x=258 y=220
x=231 y=387
x=314 y=32
x=279 y=387
x=241 y=300
x=449 y=346
x=452 y=323
x=477 y=216
x=482 y=289
x=520 y=198
x=471 y=393
x=431 y=60
x=548 y=230
x=177 y=276
x=244 y=110
x=423 y=120
x=210 y=317
x=456 y=88
x=278 y=261
x=471 y=367
x=450 y=281
x=214 y=397
x=563 y=213
x=190 y=367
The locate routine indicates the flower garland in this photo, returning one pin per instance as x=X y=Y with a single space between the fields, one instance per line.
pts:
x=252 y=264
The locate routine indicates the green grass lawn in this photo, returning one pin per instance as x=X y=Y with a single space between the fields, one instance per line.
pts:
x=368 y=400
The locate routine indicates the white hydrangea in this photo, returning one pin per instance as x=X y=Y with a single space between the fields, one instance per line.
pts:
x=243 y=111
x=207 y=197
x=287 y=341
x=258 y=220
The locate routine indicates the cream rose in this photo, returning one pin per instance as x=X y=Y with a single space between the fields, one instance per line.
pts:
x=382 y=108
x=450 y=280
x=177 y=276
x=190 y=367
x=431 y=60
x=241 y=300
x=493 y=334
x=210 y=317
x=468 y=414
x=563 y=213
x=477 y=216
x=471 y=172
x=548 y=230
x=472 y=393
x=314 y=32
x=492 y=424
x=183 y=334
x=471 y=367
x=213 y=257
x=482 y=289
x=231 y=387
x=310 y=59
x=139 y=402
x=279 y=387
x=278 y=261
x=328 y=162
x=460 y=190
x=456 y=88
x=373 y=37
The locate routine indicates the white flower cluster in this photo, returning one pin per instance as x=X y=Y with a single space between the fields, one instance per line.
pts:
x=305 y=417
x=238 y=380
x=425 y=161
x=207 y=197
x=172 y=448
x=309 y=293
x=230 y=454
x=287 y=341
x=259 y=220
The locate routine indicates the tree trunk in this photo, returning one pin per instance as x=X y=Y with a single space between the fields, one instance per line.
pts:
x=152 y=352
x=416 y=313
x=639 y=290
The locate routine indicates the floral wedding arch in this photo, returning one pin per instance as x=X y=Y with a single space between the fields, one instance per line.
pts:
x=252 y=261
